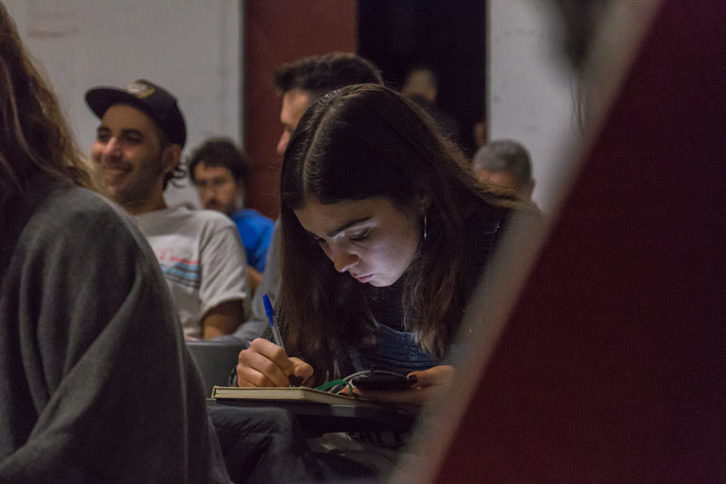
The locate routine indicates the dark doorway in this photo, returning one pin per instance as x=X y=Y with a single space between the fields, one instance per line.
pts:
x=450 y=36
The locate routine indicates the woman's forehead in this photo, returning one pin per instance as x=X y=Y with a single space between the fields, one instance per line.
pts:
x=324 y=218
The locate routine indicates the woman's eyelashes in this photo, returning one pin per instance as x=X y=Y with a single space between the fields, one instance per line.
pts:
x=360 y=235
x=319 y=240
x=355 y=237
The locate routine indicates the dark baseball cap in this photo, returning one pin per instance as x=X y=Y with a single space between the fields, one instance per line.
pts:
x=153 y=100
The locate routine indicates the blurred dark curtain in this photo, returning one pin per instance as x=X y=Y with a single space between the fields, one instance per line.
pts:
x=449 y=36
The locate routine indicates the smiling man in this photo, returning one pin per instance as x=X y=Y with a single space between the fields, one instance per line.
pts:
x=136 y=153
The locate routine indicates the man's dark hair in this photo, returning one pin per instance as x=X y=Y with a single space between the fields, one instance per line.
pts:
x=221 y=152
x=322 y=73
x=178 y=173
x=505 y=155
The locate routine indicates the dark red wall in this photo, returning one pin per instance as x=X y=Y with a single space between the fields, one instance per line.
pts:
x=275 y=32
x=612 y=367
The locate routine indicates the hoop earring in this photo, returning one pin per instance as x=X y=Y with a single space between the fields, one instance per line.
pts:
x=425 y=230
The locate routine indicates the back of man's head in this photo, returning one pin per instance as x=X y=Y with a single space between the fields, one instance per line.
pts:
x=505 y=156
x=322 y=73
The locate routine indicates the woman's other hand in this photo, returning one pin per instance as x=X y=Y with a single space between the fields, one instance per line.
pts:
x=425 y=384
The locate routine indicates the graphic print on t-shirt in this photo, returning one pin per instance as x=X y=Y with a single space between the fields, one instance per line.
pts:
x=178 y=269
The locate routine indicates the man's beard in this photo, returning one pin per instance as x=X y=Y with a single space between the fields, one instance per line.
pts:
x=140 y=186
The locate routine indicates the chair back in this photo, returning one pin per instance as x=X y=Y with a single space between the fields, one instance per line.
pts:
x=215 y=361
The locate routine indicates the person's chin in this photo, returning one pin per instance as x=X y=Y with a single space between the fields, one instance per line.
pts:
x=113 y=190
x=116 y=181
x=121 y=197
x=380 y=282
x=386 y=281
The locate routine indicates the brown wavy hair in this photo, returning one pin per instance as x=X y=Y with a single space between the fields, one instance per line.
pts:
x=34 y=136
x=366 y=141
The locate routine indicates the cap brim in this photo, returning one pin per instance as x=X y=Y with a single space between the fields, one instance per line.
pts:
x=99 y=99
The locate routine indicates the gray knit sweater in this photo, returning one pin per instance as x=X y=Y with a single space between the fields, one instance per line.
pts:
x=95 y=382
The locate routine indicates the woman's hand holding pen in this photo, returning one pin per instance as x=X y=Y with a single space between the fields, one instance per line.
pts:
x=265 y=364
x=425 y=384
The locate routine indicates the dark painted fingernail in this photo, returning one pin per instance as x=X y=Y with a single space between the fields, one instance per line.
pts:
x=412 y=380
x=295 y=381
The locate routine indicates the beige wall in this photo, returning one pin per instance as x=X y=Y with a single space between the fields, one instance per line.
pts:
x=531 y=91
x=189 y=46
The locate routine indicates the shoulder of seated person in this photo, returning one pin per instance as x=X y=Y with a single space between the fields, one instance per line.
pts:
x=201 y=216
x=70 y=211
x=74 y=208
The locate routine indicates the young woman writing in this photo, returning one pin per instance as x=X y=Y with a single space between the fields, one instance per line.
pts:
x=385 y=235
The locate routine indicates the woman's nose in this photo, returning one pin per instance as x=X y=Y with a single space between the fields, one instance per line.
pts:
x=344 y=260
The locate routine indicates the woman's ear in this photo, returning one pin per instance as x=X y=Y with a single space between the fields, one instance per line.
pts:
x=423 y=202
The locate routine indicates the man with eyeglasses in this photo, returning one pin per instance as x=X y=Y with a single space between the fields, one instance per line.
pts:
x=220 y=171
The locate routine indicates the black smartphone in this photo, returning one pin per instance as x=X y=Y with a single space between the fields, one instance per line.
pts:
x=381 y=381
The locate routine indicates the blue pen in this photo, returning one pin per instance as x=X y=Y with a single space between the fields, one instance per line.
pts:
x=276 y=336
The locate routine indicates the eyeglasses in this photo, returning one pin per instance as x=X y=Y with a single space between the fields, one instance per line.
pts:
x=214 y=184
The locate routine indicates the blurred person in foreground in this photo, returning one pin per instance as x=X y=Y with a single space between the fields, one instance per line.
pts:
x=79 y=289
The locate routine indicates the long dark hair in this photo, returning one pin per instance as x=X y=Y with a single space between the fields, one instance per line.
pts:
x=367 y=141
x=34 y=136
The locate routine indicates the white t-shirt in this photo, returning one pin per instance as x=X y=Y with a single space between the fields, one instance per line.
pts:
x=202 y=258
